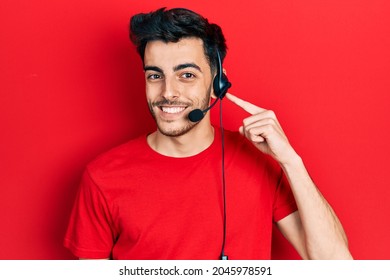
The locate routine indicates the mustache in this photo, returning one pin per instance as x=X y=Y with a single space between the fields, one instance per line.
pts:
x=169 y=102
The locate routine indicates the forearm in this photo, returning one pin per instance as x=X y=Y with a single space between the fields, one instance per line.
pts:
x=324 y=234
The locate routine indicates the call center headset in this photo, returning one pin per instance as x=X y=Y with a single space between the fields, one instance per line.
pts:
x=221 y=85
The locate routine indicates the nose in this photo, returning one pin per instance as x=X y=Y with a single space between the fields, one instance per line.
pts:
x=170 y=90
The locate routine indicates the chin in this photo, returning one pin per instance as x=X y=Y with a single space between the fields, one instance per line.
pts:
x=176 y=130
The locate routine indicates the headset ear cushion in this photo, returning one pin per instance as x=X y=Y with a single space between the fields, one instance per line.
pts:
x=221 y=86
x=216 y=86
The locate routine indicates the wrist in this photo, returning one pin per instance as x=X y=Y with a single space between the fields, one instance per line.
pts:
x=291 y=161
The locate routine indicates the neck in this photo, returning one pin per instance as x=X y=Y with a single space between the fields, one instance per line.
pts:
x=189 y=144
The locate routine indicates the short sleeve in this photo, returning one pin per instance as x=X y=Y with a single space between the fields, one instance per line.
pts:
x=284 y=203
x=89 y=233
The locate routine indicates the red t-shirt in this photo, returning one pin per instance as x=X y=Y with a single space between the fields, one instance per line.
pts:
x=134 y=203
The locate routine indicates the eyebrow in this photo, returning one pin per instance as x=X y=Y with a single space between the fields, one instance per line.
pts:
x=153 y=68
x=176 y=68
x=186 y=65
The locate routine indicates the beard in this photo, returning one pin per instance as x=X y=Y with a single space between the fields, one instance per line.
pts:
x=168 y=128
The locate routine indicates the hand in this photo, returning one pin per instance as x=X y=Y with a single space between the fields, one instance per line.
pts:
x=262 y=128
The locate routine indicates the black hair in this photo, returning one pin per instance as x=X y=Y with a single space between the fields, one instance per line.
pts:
x=175 y=24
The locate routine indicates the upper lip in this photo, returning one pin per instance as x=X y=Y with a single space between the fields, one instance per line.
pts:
x=171 y=104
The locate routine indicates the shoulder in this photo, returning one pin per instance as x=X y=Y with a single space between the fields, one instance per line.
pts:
x=119 y=157
x=236 y=142
x=242 y=150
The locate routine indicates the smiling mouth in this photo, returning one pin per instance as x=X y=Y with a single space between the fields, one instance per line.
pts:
x=172 y=109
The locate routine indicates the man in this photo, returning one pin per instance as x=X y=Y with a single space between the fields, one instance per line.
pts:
x=161 y=196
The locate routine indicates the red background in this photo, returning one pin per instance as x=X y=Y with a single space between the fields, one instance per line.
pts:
x=71 y=86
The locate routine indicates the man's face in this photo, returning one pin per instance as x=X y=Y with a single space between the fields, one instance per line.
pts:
x=178 y=80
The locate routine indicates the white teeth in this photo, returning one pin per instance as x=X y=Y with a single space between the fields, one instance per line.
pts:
x=172 y=110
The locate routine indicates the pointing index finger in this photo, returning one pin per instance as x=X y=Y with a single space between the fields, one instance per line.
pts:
x=247 y=106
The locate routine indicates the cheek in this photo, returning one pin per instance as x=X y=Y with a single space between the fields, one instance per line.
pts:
x=152 y=91
x=197 y=90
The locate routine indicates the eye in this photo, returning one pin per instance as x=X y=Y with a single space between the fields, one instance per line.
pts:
x=188 y=76
x=153 y=76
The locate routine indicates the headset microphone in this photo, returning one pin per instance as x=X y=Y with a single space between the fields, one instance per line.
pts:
x=198 y=114
x=221 y=85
